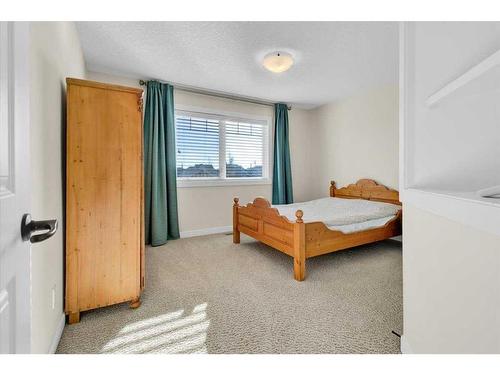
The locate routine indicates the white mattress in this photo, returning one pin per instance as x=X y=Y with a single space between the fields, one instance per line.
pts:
x=345 y=215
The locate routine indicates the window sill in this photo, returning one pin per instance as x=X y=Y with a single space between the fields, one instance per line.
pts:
x=186 y=183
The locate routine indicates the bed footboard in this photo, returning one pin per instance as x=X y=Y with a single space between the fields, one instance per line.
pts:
x=264 y=223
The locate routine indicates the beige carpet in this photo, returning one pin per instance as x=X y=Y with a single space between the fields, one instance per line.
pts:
x=206 y=295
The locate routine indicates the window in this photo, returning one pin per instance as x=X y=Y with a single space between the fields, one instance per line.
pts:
x=214 y=149
x=197 y=147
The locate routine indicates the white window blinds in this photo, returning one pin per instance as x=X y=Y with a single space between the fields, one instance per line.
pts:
x=221 y=147
x=197 y=147
x=244 y=149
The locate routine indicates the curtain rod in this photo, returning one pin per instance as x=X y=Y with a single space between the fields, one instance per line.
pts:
x=219 y=95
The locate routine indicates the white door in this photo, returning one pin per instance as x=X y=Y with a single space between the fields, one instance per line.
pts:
x=15 y=255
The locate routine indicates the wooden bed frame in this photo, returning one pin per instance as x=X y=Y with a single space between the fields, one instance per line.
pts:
x=306 y=240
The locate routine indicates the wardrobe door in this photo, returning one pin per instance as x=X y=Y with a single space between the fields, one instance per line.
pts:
x=120 y=196
x=104 y=196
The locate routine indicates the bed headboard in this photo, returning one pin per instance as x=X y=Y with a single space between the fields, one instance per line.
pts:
x=366 y=189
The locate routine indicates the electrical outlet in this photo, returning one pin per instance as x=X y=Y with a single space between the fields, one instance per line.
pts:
x=53 y=297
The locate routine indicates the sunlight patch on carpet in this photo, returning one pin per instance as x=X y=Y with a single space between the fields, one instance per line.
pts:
x=174 y=332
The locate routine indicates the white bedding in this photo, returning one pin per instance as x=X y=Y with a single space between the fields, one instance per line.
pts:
x=346 y=215
x=364 y=225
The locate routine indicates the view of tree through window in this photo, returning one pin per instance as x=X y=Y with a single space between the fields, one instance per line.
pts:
x=202 y=141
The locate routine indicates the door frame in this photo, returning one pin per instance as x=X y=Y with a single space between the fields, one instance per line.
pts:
x=19 y=189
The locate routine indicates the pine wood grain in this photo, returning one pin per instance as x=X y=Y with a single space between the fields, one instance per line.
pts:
x=104 y=228
x=366 y=189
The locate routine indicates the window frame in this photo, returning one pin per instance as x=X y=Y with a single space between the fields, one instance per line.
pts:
x=222 y=180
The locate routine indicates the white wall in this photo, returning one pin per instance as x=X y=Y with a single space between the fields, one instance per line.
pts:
x=451 y=248
x=202 y=208
x=451 y=285
x=55 y=54
x=454 y=144
x=304 y=154
x=357 y=137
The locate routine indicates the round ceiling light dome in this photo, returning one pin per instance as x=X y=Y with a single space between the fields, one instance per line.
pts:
x=278 y=62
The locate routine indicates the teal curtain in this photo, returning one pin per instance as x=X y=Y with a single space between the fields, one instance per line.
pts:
x=282 y=172
x=160 y=184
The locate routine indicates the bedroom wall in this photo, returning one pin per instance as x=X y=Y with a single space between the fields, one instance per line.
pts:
x=454 y=144
x=451 y=249
x=358 y=137
x=450 y=286
x=204 y=208
x=55 y=54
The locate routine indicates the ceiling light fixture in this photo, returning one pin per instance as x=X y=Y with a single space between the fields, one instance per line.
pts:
x=278 y=62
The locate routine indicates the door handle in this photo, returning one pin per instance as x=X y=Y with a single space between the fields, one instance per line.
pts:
x=28 y=227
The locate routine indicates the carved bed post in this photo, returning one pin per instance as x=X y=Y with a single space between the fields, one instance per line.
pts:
x=236 y=232
x=332 y=188
x=299 y=247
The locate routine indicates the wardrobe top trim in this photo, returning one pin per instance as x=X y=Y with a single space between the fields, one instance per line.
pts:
x=100 y=85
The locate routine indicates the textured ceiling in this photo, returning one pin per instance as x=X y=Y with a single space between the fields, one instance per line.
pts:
x=332 y=59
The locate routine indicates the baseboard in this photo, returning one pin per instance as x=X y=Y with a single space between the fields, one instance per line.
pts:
x=405 y=347
x=57 y=334
x=206 y=231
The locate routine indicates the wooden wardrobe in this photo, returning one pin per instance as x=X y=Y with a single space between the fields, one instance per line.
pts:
x=104 y=196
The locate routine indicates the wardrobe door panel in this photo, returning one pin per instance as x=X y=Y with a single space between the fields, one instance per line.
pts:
x=104 y=195
x=129 y=170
